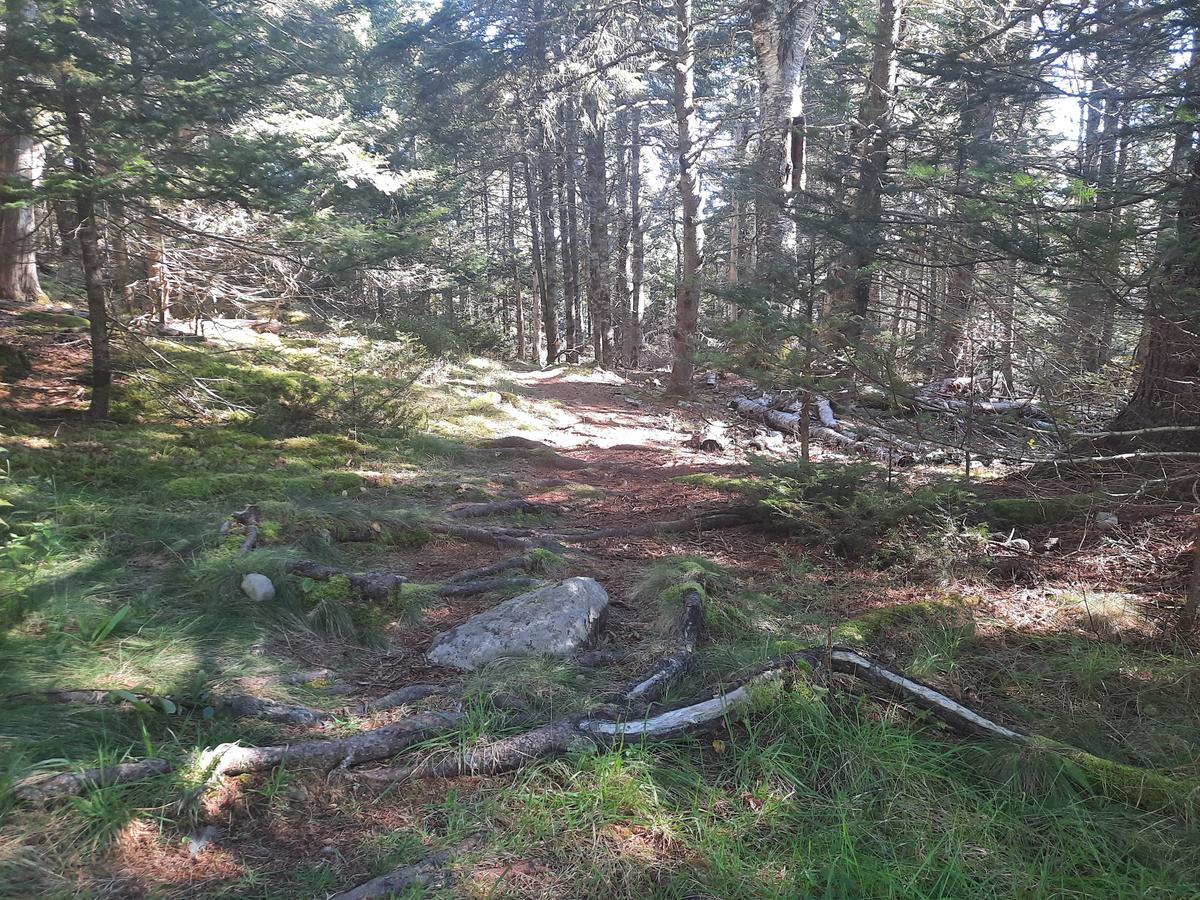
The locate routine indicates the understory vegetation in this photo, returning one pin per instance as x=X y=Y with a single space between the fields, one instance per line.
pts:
x=117 y=575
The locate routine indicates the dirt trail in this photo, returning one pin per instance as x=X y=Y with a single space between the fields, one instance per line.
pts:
x=592 y=420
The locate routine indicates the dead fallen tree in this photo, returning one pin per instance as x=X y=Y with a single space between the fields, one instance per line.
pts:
x=668 y=669
x=789 y=420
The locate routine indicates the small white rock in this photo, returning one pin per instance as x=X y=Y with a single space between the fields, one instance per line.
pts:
x=258 y=587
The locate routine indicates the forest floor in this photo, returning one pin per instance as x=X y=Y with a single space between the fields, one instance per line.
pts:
x=115 y=576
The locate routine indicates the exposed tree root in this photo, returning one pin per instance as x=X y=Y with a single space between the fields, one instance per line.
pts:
x=502 y=507
x=604 y=727
x=48 y=788
x=526 y=561
x=708 y=520
x=485 y=585
x=372 y=585
x=408 y=694
x=366 y=746
x=431 y=872
x=503 y=538
x=669 y=668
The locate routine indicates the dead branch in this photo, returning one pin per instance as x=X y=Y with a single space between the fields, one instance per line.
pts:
x=248 y=517
x=669 y=668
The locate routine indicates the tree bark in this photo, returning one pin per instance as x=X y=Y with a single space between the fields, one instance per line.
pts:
x=549 y=247
x=518 y=300
x=535 y=349
x=781 y=31
x=89 y=250
x=568 y=226
x=633 y=330
x=623 y=276
x=852 y=273
x=1168 y=383
x=687 y=296
x=21 y=162
x=598 y=249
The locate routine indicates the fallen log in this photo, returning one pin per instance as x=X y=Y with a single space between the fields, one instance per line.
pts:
x=504 y=539
x=668 y=669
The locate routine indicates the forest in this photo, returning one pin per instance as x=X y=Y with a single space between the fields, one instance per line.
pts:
x=573 y=448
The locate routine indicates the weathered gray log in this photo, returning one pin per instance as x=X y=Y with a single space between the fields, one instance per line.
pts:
x=668 y=669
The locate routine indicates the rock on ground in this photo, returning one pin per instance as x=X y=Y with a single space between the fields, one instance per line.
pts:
x=258 y=587
x=555 y=620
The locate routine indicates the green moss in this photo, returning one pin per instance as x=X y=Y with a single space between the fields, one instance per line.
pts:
x=1132 y=785
x=49 y=319
x=407 y=537
x=336 y=588
x=676 y=593
x=546 y=562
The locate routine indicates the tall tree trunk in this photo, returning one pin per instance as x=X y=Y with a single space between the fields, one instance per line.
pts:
x=782 y=31
x=515 y=262
x=850 y=294
x=575 y=312
x=122 y=266
x=535 y=349
x=21 y=162
x=687 y=296
x=623 y=276
x=1168 y=386
x=549 y=247
x=22 y=159
x=567 y=227
x=89 y=250
x=598 y=249
x=637 y=235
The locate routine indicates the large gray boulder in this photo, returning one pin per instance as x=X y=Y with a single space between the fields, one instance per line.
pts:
x=555 y=620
